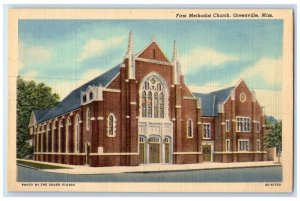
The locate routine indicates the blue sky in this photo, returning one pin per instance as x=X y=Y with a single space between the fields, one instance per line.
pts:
x=213 y=53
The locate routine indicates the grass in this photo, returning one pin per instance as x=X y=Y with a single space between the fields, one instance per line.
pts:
x=37 y=165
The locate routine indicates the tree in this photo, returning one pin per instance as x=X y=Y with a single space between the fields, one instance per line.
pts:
x=30 y=96
x=274 y=137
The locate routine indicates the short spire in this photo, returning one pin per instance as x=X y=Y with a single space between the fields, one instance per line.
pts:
x=130 y=56
x=130 y=43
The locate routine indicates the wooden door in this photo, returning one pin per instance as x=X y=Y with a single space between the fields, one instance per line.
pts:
x=142 y=153
x=154 y=153
x=167 y=153
x=206 y=152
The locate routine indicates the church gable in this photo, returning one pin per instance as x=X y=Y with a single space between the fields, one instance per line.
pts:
x=153 y=52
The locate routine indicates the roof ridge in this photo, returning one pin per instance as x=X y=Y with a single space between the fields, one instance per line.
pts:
x=214 y=91
x=72 y=100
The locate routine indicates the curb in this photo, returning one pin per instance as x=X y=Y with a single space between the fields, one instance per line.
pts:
x=159 y=171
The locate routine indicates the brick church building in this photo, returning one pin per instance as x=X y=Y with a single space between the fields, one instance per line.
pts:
x=141 y=112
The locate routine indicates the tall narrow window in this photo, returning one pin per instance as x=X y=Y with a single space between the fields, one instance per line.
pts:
x=258 y=127
x=161 y=105
x=149 y=104
x=68 y=123
x=47 y=137
x=144 y=109
x=88 y=119
x=189 y=128
x=111 y=125
x=258 y=145
x=77 y=134
x=228 y=145
x=153 y=54
x=228 y=126
x=53 y=136
x=155 y=105
x=206 y=131
x=60 y=125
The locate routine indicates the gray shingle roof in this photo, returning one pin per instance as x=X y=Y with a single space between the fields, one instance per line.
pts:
x=210 y=101
x=72 y=101
x=38 y=114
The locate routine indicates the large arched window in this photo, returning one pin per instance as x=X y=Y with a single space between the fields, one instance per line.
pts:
x=88 y=119
x=68 y=123
x=47 y=137
x=53 y=136
x=111 y=125
x=189 y=128
x=60 y=125
x=152 y=93
x=77 y=134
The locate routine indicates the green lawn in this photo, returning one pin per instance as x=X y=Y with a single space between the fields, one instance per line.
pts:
x=37 y=165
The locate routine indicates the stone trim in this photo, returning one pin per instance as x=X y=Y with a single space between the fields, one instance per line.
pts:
x=114 y=154
x=189 y=98
x=59 y=153
x=240 y=152
x=186 y=153
x=153 y=61
x=112 y=90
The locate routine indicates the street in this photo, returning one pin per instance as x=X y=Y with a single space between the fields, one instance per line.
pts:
x=254 y=174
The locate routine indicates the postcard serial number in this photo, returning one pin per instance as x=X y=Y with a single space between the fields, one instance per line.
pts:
x=273 y=184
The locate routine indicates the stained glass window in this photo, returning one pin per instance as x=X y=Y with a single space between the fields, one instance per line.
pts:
x=110 y=125
x=155 y=105
x=189 y=128
x=144 y=104
x=152 y=98
x=149 y=104
x=161 y=105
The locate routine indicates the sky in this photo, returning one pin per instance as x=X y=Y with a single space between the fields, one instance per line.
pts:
x=214 y=54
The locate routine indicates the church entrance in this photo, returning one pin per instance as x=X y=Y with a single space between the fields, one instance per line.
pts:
x=206 y=153
x=208 y=150
x=154 y=150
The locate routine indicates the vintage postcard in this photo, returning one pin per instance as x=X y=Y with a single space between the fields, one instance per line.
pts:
x=150 y=100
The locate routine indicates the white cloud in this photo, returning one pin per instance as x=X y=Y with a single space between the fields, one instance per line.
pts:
x=64 y=87
x=201 y=57
x=32 y=55
x=269 y=69
x=271 y=100
x=31 y=75
x=95 y=47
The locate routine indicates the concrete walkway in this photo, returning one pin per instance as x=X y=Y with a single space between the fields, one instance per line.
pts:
x=155 y=167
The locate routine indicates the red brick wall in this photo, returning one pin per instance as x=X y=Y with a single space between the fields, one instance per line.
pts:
x=148 y=53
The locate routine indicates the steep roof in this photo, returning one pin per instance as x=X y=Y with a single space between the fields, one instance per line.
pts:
x=72 y=101
x=38 y=114
x=210 y=100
